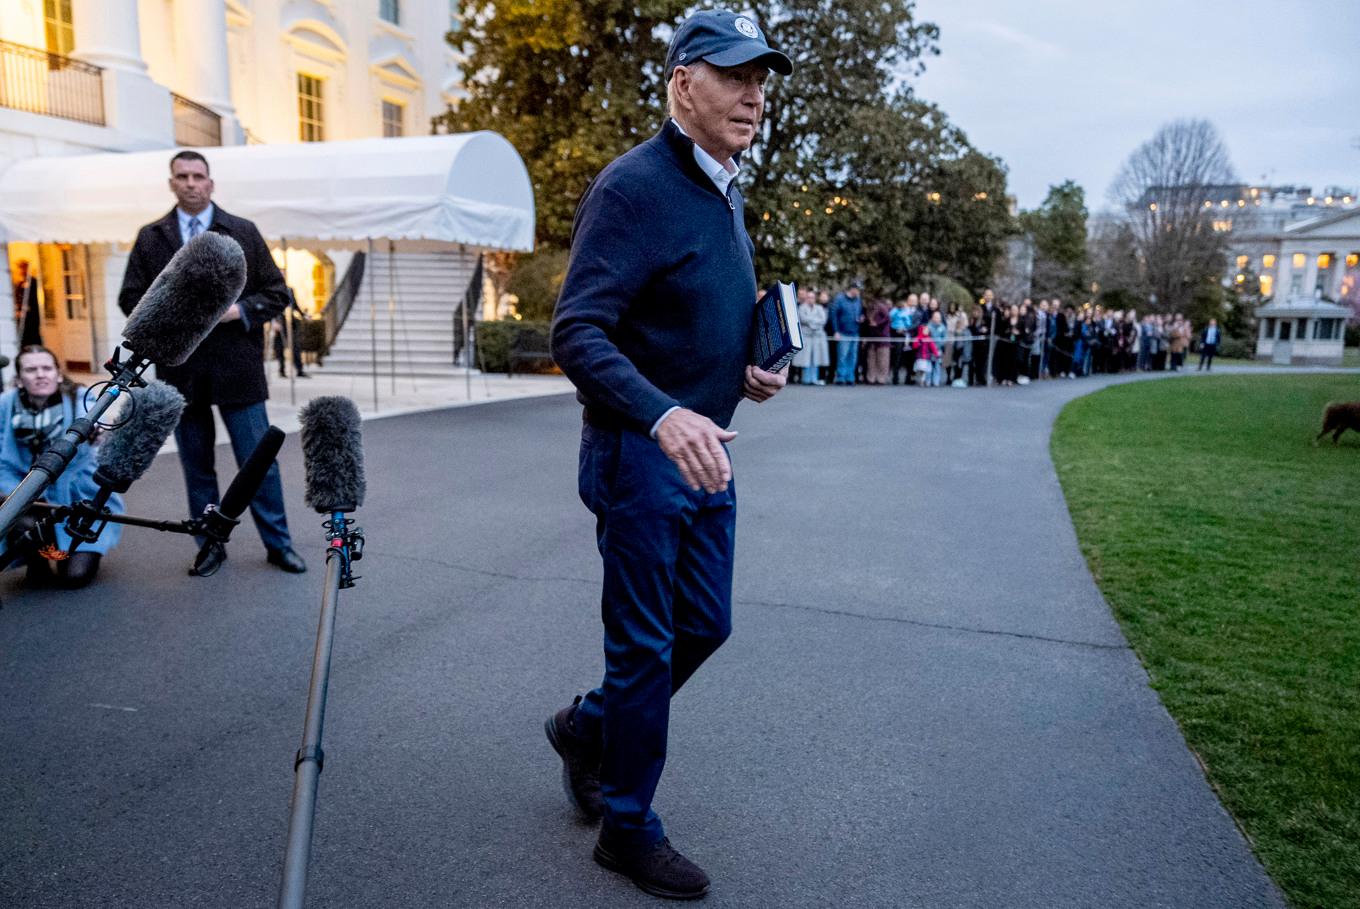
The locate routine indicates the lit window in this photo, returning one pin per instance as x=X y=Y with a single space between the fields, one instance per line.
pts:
x=1241 y=278
x=1324 y=260
x=1267 y=285
x=311 y=114
x=390 y=11
x=61 y=36
x=1299 y=260
x=1352 y=260
x=393 y=119
x=1241 y=261
x=1268 y=260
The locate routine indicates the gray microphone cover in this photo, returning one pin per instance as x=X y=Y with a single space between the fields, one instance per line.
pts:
x=187 y=299
x=126 y=452
x=332 y=454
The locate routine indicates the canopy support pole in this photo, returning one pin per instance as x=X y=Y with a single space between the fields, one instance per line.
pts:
x=373 y=324
x=392 y=311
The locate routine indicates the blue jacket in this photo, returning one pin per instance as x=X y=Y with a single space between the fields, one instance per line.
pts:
x=845 y=314
x=657 y=305
x=76 y=481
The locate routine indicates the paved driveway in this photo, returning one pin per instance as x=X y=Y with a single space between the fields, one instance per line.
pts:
x=925 y=703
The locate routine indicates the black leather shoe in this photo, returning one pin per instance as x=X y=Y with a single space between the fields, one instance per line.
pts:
x=659 y=870
x=209 y=559
x=580 y=763
x=287 y=559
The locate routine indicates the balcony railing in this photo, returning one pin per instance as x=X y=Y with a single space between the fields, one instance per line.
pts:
x=39 y=82
x=194 y=123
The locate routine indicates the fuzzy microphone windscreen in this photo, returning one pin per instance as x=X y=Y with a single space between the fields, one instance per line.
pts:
x=332 y=454
x=187 y=299
x=126 y=452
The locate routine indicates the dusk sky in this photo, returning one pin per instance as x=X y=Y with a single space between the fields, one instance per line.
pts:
x=1063 y=89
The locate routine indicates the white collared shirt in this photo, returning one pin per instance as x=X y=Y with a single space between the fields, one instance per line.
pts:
x=205 y=218
x=717 y=171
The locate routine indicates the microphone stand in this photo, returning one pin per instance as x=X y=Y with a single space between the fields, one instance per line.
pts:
x=344 y=547
x=91 y=516
x=58 y=456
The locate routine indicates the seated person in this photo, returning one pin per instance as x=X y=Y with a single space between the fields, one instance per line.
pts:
x=32 y=416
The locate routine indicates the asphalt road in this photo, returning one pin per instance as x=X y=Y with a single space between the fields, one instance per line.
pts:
x=926 y=702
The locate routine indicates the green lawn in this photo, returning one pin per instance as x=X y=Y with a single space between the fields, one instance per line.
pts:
x=1229 y=548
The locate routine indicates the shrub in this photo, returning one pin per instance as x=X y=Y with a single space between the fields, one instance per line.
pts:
x=950 y=292
x=1237 y=349
x=536 y=281
x=494 y=340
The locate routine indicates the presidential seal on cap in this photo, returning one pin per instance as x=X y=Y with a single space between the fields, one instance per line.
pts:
x=722 y=38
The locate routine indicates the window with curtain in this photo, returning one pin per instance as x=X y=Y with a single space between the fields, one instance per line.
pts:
x=311 y=110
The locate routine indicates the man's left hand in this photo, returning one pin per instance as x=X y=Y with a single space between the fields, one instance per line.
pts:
x=762 y=385
x=232 y=314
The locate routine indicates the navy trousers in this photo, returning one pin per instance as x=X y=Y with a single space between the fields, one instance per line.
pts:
x=666 y=605
x=196 y=436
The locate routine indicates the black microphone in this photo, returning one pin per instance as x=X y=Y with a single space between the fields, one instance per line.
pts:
x=333 y=454
x=187 y=299
x=219 y=520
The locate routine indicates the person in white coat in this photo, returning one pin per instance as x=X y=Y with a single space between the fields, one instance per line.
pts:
x=814 y=355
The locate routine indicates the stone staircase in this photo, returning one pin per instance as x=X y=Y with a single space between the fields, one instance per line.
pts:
x=418 y=332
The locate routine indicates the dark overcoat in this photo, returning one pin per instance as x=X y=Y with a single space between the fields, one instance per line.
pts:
x=228 y=367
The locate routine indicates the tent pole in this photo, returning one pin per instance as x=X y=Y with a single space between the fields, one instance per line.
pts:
x=467 y=344
x=288 y=332
x=373 y=324
x=392 y=311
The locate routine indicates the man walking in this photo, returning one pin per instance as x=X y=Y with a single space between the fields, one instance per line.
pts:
x=227 y=369
x=654 y=327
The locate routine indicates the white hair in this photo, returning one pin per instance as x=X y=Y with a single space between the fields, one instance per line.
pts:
x=698 y=70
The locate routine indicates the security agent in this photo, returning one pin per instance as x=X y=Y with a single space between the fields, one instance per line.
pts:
x=653 y=326
x=227 y=369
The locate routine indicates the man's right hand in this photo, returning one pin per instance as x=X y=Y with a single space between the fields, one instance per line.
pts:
x=694 y=443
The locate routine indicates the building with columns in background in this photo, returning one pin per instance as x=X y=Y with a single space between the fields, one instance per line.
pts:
x=83 y=77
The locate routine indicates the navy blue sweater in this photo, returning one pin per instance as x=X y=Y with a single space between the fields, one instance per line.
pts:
x=660 y=291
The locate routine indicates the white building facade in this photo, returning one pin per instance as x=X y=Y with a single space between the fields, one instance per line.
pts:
x=79 y=77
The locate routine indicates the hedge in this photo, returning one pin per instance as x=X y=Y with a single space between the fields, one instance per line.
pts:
x=494 y=340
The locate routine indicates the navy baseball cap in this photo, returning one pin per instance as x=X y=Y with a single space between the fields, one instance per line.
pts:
x=722 y=38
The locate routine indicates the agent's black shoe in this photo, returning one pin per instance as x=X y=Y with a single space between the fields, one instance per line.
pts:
x=580 y=763
x=286 y=559
x=209 y=559
x=659 y=870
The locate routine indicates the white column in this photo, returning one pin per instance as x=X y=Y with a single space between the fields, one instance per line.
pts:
x=108 y=34
x=201 y=49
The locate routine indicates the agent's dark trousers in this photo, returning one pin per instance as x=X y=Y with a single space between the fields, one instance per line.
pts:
x=667 y=606
x=196 y=436
x=1206 y=356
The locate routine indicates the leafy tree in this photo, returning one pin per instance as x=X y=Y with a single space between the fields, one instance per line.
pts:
x=572 y=84
x=851 y=174
x=1058 y=227
x=854 y=174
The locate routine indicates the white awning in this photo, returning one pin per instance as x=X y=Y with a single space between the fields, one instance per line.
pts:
x=470 y=188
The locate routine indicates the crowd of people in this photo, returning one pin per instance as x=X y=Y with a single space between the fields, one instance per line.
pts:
x=917 y=340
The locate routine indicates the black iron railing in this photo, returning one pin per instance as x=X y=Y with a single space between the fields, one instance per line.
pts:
x=39 y=82
x=194 y=123
x=466 y=311
x=342 y=298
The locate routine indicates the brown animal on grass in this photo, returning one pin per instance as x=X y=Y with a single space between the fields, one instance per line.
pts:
x=1338 y=418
